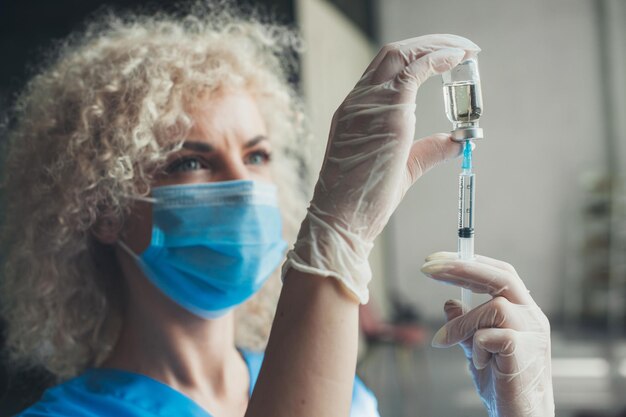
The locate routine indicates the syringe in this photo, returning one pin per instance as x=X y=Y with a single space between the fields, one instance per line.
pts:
x=466 y=215
x=464 y=107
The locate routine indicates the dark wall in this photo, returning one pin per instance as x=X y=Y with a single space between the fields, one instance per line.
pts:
x=29 y=27
x=362 y=13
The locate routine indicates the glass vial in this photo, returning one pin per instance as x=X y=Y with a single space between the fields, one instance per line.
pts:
x=463 y=100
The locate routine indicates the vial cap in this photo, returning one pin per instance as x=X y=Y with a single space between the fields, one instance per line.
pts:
x=466 y=71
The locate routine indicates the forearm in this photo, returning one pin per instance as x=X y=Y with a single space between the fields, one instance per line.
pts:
x=310 y=359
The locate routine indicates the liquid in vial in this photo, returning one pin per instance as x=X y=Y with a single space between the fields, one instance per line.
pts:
x=463 y=102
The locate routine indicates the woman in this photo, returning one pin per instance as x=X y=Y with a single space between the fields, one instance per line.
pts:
x=143 y=185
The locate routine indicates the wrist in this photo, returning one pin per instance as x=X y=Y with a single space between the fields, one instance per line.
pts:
x=322 y=250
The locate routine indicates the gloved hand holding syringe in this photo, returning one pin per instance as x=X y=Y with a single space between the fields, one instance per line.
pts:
x=463 y=101
x=506 y=339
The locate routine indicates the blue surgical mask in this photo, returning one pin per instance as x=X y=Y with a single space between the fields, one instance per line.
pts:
x=213 y=244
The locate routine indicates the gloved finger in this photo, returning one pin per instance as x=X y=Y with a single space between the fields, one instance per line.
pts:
x=519 y=372
x=413 y=48
x=428 y=152
x=488 y=342
x=394 y=57
x=479 y=277
x=498 y=312
x=514 y=352
x=418 y=71
x=439 y=256
x=413 y=75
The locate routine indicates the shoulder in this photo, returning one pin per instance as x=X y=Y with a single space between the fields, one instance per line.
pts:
x=60 y=400
x=101 y=393
x=56 y=402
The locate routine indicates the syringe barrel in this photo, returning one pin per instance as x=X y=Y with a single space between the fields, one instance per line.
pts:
x=466 y=204
x=466 y=248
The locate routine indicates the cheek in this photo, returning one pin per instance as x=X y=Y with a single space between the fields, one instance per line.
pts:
x=261 y=173
x=137 y=232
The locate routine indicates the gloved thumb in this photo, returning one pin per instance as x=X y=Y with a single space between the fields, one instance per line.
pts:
x=430 y=151
x=453 y=309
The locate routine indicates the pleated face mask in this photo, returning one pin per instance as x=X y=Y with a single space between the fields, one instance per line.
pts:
x=213 y=244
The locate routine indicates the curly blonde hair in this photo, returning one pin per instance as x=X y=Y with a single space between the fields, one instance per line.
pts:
x=91 y=129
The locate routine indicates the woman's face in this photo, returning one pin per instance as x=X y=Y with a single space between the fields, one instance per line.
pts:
x=227 y=142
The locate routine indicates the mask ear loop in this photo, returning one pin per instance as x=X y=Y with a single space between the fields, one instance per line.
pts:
x=151 y=200
x=126 y=249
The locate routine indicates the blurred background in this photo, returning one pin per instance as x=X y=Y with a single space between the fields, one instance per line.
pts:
x=550 y=180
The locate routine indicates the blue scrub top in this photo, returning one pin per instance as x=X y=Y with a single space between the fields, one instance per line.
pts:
x=113 y=392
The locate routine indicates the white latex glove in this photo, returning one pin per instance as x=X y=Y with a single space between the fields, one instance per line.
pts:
x=506 y=340
x=371 y=160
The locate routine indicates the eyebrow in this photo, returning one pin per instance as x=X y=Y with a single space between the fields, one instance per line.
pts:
x=198 y=146
x=254 y=141
x=205 y=147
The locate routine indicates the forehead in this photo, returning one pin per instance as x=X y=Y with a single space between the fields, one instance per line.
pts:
x=232 y=113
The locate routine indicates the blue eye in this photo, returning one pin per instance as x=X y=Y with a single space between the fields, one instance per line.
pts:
x=259 y=158
x=184 y=165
